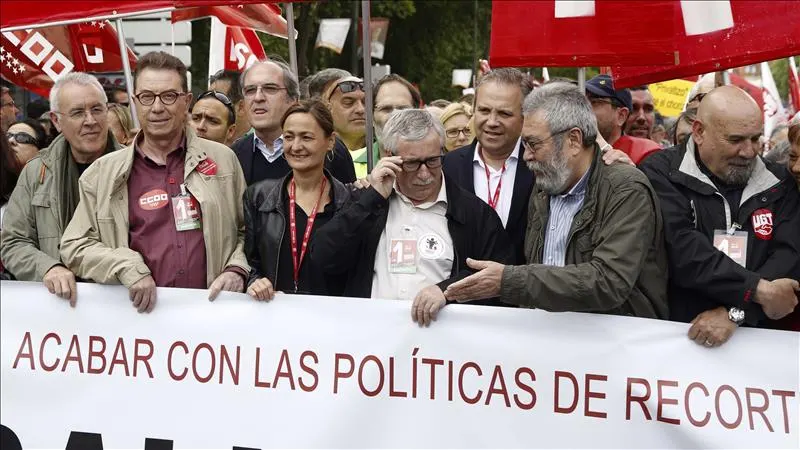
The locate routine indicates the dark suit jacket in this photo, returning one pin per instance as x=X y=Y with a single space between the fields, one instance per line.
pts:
x=458 y=166
x=340 y=165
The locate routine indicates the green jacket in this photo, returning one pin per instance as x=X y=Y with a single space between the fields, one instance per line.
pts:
x=616 y=261
x=32 y=224
x=360 y=162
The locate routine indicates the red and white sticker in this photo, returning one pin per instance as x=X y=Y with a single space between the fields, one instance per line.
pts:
x=762 y=224
x=207 y=167
x=155 y=199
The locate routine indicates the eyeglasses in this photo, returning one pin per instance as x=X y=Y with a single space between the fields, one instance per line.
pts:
x=430 y=163
x=79 y=115
x=531 y=145
x=223 y=99
x=216 y=76
x=23 y=138
x=348 y=86
x=268 y=89
x=453 y=133
x=698 y=97
x=147 y=98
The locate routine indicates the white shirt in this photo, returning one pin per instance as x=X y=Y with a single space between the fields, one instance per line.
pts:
x=423 y=228
x=508 y=176
x=271 y=153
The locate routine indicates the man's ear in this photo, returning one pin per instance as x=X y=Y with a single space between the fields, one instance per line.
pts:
x=622 y=116
x=54 y=118
x=229 y=133
x=698 y=131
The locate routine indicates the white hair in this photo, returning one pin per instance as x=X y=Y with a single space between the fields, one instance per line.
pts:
x=410 y=125
x=79 y=78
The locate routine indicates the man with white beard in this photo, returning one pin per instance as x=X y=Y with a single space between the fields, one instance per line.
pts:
x=594 y=240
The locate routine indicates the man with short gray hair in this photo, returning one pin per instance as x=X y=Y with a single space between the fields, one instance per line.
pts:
x=46 y=195
x=409 y=235
x=595 y=234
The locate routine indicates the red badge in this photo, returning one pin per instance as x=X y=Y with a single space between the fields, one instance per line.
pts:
x=207 y=167
x=154 y=199
x=762 y=224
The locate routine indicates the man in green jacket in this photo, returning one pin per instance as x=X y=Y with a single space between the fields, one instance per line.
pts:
x=594 y=239
x=46 y=195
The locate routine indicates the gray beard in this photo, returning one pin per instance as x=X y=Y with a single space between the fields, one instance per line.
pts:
x=738 y=176
x=551 y=176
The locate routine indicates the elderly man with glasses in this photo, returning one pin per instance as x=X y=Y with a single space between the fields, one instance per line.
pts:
x=409 y=235
x=165 y=211
x=46 y=195
x=269 y=89
x=595 y=235
x=212 y=117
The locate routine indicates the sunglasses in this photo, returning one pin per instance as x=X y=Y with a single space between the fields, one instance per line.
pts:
x=23 y=138
x=223 y=99
x=348 y=86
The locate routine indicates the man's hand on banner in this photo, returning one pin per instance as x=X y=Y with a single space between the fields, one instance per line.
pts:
x=712 y=328
x=226 y=281
x=143 y=294
x=61 y=281
x=483 y=284
x=261 y=289
x=427 y=304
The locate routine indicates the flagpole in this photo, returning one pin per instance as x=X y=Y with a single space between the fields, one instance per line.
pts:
x=582 y=78
x=126 y=67
x=172 y=35
x=366 y=53
x=292 y=44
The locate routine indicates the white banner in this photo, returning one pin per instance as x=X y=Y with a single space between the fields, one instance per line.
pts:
x=329 y=372
x=332 y=34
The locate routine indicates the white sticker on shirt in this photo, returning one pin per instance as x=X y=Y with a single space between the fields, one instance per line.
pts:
x=431 y=246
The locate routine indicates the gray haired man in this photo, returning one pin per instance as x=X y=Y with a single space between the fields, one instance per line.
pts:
x=408 y=235
x=46 y=195
x=595 y=239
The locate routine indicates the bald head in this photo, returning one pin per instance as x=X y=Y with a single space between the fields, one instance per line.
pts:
x=728 y=133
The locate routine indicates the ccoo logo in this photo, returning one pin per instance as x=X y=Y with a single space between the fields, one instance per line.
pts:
x=154 y=199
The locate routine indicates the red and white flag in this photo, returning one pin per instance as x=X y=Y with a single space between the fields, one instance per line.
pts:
x=35 y=59
x=233 y=48
x=714 y=36
x=774 y=112
x=264 y=17
x=794 y=85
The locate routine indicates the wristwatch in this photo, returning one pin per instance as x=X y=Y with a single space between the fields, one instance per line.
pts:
x=736 y=315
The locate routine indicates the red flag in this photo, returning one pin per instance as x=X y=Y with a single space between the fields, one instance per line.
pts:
x=15 y=13
x=714 y=36
x=548 y=33
x=233 y=48
x=35 y=59
x=263 y=17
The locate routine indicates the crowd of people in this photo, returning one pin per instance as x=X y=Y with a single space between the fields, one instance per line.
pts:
x=519 y=195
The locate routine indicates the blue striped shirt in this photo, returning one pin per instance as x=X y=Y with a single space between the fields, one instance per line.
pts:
x=563 y=209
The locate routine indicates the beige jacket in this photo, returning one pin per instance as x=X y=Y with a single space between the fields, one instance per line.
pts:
x=95 y=243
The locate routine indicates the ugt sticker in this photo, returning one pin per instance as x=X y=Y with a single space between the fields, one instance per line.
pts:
x=207 y=167
x=762 y=224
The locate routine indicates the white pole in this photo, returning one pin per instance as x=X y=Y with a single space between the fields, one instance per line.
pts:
x=292 y=44
x=366 y=53
x=172 y=35
x=85 y=19
x=582 y=78
x=545 y=74
x=126 y=67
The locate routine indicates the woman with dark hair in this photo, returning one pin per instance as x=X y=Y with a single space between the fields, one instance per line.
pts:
x=282 y=215
x=9 y=172
x=26 y=138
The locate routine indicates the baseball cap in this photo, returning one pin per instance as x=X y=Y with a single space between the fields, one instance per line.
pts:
x=603 y=86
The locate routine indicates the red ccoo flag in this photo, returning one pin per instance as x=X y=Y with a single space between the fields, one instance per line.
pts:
x=34 y=59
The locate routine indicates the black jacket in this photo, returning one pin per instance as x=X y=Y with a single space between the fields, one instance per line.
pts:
x=458 y=166
x=265 y=222
x=339 y=163
x=348 y=243
x=702 y=277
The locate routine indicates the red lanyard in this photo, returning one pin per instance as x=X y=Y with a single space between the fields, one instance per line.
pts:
x=293 y=228
x=492 y=200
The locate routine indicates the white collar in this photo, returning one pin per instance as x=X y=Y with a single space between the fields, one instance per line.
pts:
x=514 y=156
x=442 y=197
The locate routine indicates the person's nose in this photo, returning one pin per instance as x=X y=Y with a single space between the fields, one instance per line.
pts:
x=360 y=108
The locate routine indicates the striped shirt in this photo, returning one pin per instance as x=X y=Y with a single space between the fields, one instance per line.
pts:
x=563 y=209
